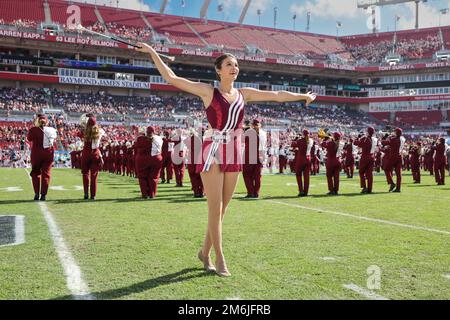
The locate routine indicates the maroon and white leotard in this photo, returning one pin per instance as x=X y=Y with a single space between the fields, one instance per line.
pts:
x=222 y=142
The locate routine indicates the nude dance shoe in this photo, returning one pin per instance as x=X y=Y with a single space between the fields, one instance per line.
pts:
x=222 y=270
x=207 y=264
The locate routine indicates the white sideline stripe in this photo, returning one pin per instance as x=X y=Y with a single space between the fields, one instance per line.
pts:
x=363 y=218
x=366 y=293
x=20 y=229
x=74 y=278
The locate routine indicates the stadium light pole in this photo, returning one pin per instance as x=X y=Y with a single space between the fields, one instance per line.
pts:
x=275 y=12
x=443 y=12
x=220 y=9
x=338 y=26
x=397 y=18
x=308 y=20
x=258 y=12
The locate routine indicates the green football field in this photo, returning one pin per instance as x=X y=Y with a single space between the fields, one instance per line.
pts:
x=379 y=246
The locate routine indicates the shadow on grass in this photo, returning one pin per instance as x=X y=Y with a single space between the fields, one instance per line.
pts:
x=177 y=277
x=17 y=201
x=314 y=196
x=424 y=186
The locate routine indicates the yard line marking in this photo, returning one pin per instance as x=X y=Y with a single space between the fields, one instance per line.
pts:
x=328 y=259
x=58 y=188
x=362 y=217
x=366 y=293
x=446 y=276
x=74 y=278
x=11 y=189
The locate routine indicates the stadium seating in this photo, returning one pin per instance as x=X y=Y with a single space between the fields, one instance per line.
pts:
x=324 y=44
x=175 y=28
x=13 y=10
x=293 y=41
x=253 y=36
x=218 y=34
x=59 y=14
x=372 y=48
x=381 y=116
x=419 y=118
x=122 y=17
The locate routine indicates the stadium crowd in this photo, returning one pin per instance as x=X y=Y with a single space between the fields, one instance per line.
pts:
x=129 y=32
x=164 y=108
x=21 y=23
x=412 y=49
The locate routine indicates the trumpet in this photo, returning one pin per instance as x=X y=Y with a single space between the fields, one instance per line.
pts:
x=322 y=134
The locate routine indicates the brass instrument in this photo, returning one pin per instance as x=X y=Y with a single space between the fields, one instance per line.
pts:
x=322 y=134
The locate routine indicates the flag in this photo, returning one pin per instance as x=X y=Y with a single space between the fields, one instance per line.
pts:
x=397 y=17
x=220 y=7
x=338 y=24
x=294 y=17
x=183 y=3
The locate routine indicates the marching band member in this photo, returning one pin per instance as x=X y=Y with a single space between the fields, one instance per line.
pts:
x=41 y=137
x=414 y=158
x=303 y=147
x=368 y=145
x=179 y=150
x=194 y=153
x=118 y=158
x=291 y=160
x=148 y=162
x=282 y=159
x=270 y=158
x=255 y=140
x=91 y=158
x=333 y=165
x=130 y=159
x=428 y=159
x=110 y=156
x=73 y=152
x=396 y=143
x=349 y=159
x=406 y=162
x=316 y=153
x=123 y=158
x=439 y=161
x=167 y=167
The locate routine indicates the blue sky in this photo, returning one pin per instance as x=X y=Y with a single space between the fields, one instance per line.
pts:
x=324 y=13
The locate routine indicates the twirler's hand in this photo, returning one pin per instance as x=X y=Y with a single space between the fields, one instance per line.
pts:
x=145 y=48
x=310 y=97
